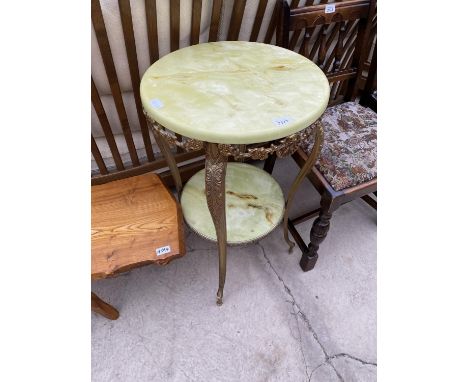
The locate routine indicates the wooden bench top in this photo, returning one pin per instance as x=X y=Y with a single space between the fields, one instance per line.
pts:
x=130 y=220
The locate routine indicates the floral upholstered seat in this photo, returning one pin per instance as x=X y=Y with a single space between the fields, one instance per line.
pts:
x=349 y=153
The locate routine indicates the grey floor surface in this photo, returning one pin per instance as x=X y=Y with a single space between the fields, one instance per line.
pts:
x=277 y=322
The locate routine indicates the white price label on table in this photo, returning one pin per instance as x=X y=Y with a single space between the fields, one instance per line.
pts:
x=157 y=103
x=163 y=250
x=282 y=121
x=330 y=8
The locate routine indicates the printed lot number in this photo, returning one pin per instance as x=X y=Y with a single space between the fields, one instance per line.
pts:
x=329 y=8
x=163 y=250
x=282 y=121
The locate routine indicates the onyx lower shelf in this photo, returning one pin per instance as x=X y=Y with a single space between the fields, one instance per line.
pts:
x=254 y=204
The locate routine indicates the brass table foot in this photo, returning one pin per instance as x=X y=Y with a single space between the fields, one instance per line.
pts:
x=219 y=297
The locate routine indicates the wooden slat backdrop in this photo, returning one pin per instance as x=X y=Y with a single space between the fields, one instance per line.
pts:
x=175 y=37
x=152 y=29
x=104 y=47
x=196 y=19
x=236 y=20
x=258 y=20
x=271 y=25
x=215 y=20
x=101 y=113
x=336 y=53
x=127 y=26
x=98 y=157
x=175 y=24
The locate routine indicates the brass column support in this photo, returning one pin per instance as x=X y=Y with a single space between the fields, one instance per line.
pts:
x=215 y=175
x=169 y=157
x=302 y=173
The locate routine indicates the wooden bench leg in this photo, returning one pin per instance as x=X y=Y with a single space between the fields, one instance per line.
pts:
x=103 y=308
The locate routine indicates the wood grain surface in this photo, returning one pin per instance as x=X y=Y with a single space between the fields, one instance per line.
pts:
x=130 y=219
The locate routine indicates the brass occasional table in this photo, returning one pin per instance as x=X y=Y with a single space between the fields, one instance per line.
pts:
x=242 y=100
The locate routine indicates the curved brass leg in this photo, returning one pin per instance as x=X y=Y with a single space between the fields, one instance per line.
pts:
x=172 y=164
x=302 y=173
x=215 y=173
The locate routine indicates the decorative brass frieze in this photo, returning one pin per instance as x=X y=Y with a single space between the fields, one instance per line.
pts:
x=282 y=147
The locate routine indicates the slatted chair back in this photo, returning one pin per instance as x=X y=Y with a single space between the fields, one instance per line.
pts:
x=139 y=162
x=336 y=36
x=368 y=97
x=128 y=36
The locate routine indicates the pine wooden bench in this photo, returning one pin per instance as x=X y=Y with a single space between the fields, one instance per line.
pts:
x=135 y=221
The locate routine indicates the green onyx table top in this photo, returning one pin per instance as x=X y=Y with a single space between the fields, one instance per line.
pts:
x=234 y=92
x=254 y=204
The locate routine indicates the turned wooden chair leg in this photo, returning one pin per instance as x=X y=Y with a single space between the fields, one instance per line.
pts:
x=103 y=308
x=318 y=233
x=269 y=163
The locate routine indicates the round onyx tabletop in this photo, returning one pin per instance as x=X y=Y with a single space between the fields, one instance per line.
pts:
x=234 y=92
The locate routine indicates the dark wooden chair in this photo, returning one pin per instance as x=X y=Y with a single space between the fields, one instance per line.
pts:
x=346 y=168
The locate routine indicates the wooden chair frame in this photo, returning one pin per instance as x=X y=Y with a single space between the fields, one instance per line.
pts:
x=308 y=17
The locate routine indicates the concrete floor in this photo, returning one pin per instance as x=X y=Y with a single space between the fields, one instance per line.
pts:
x=277 y=322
